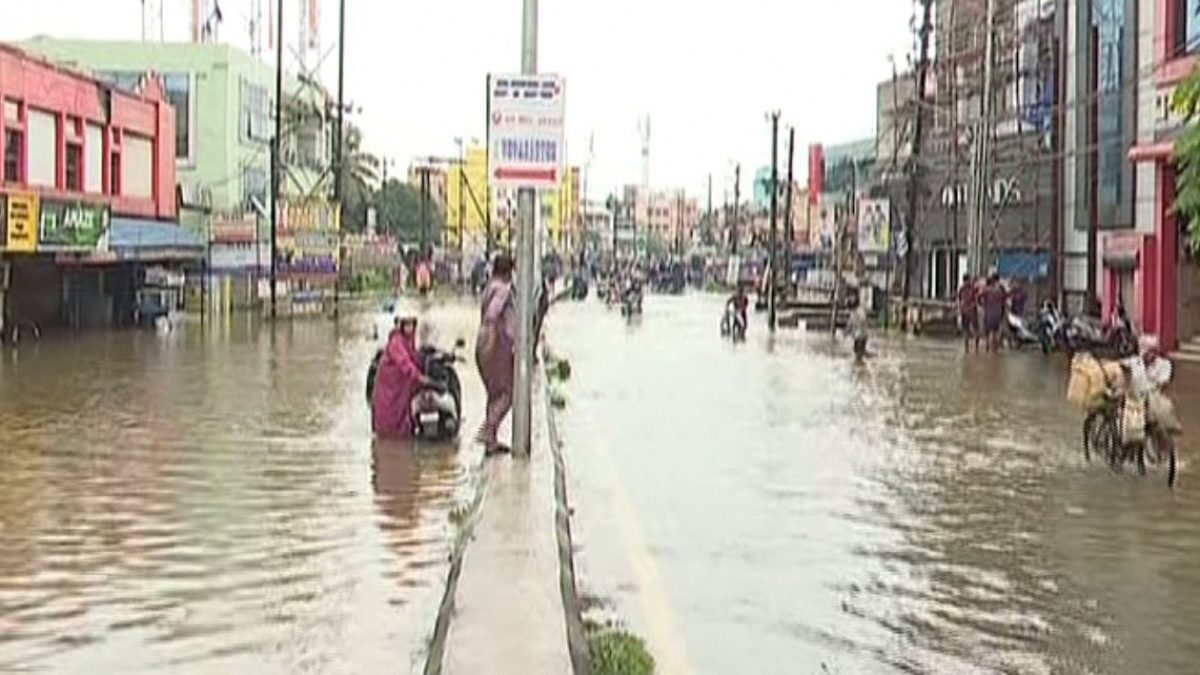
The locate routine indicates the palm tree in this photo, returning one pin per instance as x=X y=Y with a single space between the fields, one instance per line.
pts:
x=359 y=172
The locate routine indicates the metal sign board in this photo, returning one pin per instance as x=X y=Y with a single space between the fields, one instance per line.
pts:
x=526 y=131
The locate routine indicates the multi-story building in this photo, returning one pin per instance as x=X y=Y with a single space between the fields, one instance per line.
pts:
x=1121 y=241
x=224 y=124
x=666 y=220
x=87 y=194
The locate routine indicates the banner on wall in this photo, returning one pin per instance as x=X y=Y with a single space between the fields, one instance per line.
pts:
x=18 y=222
x=72 y=226
x=308 y=236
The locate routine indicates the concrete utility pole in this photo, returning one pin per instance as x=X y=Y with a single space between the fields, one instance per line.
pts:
x=789 y=230
x=771 y=276
x=462 y=204
x=737 y=198
x=981 y=170
x=276 y=161
x=526 y=252
x=914 y=157
x=339 y=167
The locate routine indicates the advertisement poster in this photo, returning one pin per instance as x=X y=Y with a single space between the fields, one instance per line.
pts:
x=825 y=225
x=20 y=223
x=308 y=237
x=874 y=225
x=71 y=226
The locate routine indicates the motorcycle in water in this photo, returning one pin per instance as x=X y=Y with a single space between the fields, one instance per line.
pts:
x=732 y=325
x=631 y=301
x=436 y=408
x=1019 y=335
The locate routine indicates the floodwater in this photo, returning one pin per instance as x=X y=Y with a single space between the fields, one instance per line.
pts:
x=771 y=507
x=211 y=501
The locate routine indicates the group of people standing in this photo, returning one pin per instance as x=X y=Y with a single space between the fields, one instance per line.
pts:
x=983 y=304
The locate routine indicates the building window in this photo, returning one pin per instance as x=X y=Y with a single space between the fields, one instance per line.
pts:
x=74 y=167
x=255 y=113
x=12 y=110
x=254 y=185
x=1108 y=18
x=114 y=174
x=179 y=93
x=14 y=141
x=1186 y=27
x=178 y=88
x=41 y=148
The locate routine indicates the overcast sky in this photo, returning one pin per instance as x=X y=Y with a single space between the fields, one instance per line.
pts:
x=705 y=72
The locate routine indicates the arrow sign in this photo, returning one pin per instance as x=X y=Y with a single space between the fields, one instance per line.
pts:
x=512 y=173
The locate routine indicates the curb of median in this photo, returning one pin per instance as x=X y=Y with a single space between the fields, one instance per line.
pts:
x=441 y=626
x=577 y=643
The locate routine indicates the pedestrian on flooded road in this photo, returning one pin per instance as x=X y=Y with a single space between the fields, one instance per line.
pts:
x=992 y=300
x=494 y=350
x=968 y=312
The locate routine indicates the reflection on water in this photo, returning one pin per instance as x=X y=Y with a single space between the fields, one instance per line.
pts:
x=212 y=501
x=922 y=512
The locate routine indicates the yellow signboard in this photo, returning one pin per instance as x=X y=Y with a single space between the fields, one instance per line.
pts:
x=22 y=222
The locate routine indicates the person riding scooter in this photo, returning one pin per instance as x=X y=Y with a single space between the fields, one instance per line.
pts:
x=396 y=381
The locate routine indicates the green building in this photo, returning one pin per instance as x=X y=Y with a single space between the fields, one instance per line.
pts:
x=224 y=104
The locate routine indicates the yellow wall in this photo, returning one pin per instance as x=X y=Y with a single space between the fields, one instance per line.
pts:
x=474 y=181
x=560 y=209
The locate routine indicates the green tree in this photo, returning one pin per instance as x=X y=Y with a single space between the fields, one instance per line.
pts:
x=359 y=173
x=1186 y=102
x=398 y=208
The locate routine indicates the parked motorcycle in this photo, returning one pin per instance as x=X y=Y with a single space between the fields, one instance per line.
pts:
x=1019 y=334
x=1087 y=333
x=1050 y=328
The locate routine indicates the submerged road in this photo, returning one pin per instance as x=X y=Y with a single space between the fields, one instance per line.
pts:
x=771 y=507
x=211 y=501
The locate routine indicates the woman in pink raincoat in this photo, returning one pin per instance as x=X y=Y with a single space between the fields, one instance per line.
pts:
x=396 y=383
x=494 y=349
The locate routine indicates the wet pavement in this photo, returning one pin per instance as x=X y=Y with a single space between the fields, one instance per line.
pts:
x=772 y=507
x=212 y=501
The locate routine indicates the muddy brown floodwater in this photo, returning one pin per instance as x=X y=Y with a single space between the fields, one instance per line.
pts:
x=771 y=507
x=211 y=501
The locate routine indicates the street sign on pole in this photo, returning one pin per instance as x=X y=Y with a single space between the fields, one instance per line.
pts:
x=525 y=130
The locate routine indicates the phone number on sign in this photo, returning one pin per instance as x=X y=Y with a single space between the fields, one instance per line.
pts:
x=529 y=150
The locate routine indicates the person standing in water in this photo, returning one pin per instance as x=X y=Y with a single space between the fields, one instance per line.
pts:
x=494 y=350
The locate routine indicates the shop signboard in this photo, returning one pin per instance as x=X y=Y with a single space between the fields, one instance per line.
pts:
x=72 y=226
x=18 y=222
x=308 y=238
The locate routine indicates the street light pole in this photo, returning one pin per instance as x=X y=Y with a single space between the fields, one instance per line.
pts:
x=339 y=186
x=522 y=426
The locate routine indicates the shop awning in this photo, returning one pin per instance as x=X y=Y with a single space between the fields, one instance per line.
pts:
x=153 y=240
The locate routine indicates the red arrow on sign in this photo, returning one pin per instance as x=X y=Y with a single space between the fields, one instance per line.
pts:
x=549 y=175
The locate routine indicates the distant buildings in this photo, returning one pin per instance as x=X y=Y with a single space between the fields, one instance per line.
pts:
x=224 y=123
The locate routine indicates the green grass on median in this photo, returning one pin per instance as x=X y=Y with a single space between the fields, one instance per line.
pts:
x=615 y=651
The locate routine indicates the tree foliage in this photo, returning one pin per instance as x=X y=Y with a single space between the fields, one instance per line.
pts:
x=1186 y=103
x=398 y=210
x=359 y=173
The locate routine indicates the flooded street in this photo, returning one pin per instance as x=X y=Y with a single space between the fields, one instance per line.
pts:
x=211 y=501
x=771 y=507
